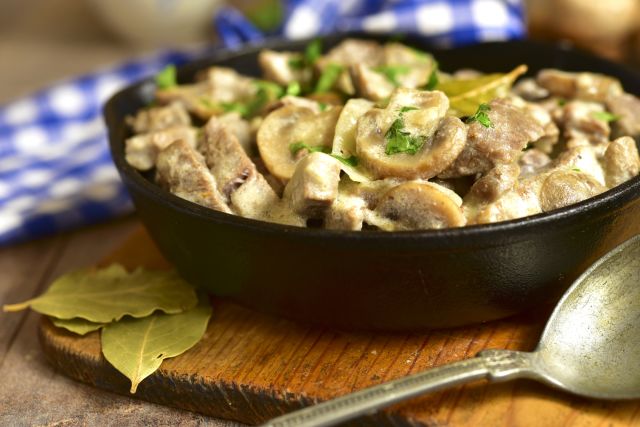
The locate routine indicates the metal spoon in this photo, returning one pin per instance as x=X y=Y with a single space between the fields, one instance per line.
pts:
x=590 y=347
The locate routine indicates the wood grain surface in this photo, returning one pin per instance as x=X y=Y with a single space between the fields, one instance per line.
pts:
x=251 y=367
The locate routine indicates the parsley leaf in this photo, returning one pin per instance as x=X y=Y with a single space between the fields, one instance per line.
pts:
x=481 y=116
x=166 y=78
x=401 y=141
x=576 y=169
x=349 y=161
x=293 y=89
x=328 y=78
x=433 y=78
x=391 y=72
x=207 y=102
x=237 y=107
x=561 y=102
x=322 y=106
x=311 y=54
x=297 y=146
x=605 y=116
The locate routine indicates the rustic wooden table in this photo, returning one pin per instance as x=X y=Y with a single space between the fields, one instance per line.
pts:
x=42 y=41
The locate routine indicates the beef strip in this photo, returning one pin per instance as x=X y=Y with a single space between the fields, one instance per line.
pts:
x=159 y=118
x=585 y=86
x=182 y=170
x=141 y=150
x=501 y=143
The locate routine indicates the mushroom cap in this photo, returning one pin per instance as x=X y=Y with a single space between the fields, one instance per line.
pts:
x=566 y=187
x=288 y=125
x=420 y=206
x=439 y=150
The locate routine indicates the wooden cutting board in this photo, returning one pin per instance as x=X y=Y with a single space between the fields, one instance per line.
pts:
x=251 y=367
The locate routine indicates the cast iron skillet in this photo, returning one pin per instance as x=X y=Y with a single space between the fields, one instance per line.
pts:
x=381 y=280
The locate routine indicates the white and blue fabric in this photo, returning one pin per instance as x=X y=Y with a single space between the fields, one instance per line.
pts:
x=56 y=172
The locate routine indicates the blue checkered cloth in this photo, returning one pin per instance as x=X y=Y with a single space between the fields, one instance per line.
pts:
x=55 y=168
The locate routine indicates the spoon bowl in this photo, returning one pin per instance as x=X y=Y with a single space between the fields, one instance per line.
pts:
x=591 y=343
x=589 y=347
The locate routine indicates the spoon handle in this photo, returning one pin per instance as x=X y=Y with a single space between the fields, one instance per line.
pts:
x=491 y=364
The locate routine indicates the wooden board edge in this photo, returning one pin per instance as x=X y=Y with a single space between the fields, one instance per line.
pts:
x=232 y=402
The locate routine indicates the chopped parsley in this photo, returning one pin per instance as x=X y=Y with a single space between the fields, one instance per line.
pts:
x=236 y=107
x=605 y=116
x=391 y=72
x=576 y=169
x=481 y=116
x=167 y=78
x=311 y=54
x=323 y=106
x=293 y=89
x=328 y=78
x=561 y=102
x=349 y=161
x=297 y=146
x=401 y=141
x=433 y=78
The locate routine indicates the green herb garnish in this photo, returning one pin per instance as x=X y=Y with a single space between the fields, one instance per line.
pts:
x=166 y=78
x=401 y=141
x=312 y=52
x=207 y=102
x=481 y=116
x=605 y=116
x=293 y=89
x=391 y=72
x=433 y=78
x=297 y=146
x=328 y=78
x=235 y=107
x=561 y=102
x=349 y=161
x=323 y=106
x=576 y=169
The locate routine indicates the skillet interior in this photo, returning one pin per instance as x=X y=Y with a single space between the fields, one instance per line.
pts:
x=381 y=280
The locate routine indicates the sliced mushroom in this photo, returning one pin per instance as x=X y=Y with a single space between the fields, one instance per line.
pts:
x=500 y=143
x=277 y=67
x=627 y=109
x=585 y=86
x=442 y=139
x=159 y=118
x=584 y=159
x=314 y=185
x=565 y=187
x=621 y=161
x=289 y=125
x=182 y=170
x=141 y=150
x=369 y=83
x=418 y=206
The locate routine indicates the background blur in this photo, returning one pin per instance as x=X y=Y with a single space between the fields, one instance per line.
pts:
x=42 y=41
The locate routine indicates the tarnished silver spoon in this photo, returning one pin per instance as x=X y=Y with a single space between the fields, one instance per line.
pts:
x=590 y=347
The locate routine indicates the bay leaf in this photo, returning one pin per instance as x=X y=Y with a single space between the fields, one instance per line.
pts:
x=77 y=325
x=465 y=95
x=105 y=295
x=137 y=347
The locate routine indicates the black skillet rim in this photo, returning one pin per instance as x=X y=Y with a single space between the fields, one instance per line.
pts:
x=484 y=235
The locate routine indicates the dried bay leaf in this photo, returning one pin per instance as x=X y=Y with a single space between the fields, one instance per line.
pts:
x=105 y=295
x=77 y=325
x=465 y=95
x=137 y=347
